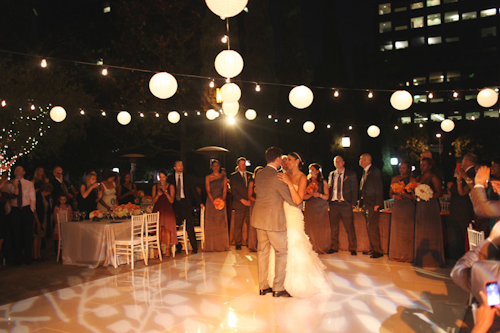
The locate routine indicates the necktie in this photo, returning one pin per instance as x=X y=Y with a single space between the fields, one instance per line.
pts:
x=20 y=195
x=363 y=179
x=339 y=187
x=244 y=179
x=178 y=189
x=64 y=188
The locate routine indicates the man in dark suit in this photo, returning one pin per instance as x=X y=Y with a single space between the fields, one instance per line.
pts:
x=239 y=189
x=372 y=198
x=60 y=186
x=185 y=196
x=343 y=186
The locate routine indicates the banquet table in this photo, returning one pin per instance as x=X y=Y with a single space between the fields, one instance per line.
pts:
x=90 y=243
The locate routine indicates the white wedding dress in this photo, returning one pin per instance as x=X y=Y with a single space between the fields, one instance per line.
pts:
x=305 y=273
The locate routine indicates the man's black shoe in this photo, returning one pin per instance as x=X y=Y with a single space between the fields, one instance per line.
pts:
x=332 y=251
x=376 y=255
x=282 y=293
x=238 y=247
x=354 y=253
x=262 y=292
x=194 y=251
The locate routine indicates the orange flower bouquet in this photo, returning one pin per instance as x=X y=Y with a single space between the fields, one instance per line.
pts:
x=398 y=187
x=411 y=186
x=96 y=214
x=219 y=204
x=311 y=188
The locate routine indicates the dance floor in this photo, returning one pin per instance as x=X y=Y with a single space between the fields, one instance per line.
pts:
x=218 y=292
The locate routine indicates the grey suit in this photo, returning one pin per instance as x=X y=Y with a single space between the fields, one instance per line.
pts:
x=268 y=217
x=483 y=206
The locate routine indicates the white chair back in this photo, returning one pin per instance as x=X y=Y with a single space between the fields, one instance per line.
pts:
x=200 y=231
x=133 y=244
x=152 y=232
x=445 y=206
x=475 y=237
x=61 y=218
x=388 y=204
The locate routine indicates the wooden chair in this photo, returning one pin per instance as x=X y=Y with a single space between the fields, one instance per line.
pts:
x=445 y=206
x=182 y=237
x=152 y=233
x=475 y=237
x=61 y=218
x=131 y=245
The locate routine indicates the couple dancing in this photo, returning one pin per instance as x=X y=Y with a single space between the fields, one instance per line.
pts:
x=293 y=268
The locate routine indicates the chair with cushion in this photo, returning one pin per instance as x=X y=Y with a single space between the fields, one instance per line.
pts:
x=135 y=243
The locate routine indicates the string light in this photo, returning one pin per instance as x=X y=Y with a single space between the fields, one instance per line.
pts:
x=269 y=116
x=350 y=127
x=82 y=112
x=198 y=113
x=103 y=113
x=455 y=94
x=370 y=95
x=4 y=103
x=185 y=114
x=257 y=87
x=104 y=71
x=32 y=107
x=141 y=114
x=211 y=84
x=328 y=126
x=431 y=95
x=43 y=64
x=275 y=120
x=336 y=93
x=396 y=127
x=224 y=39
x=421 y=125
x=157 y=115
x=288 y=121
x=228 y=80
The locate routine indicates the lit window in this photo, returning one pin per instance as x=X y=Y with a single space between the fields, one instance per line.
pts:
x=452 y=76
x=405 y=120
x=455 y=117
x=437 y=100
x=436 y=77
x=400 y=9
x=419 y=118
x=106 y=10
x=472 y=115
x=449 y=1
x=434 y=40
x=488 y=12
x=417 y=22
x=385 y=27
x=491 y=114
x=419 y=81
x=432 y=3
x=417 y=5
x=470 y=97
x=469 y=16
x=420 y=99
x=489 y=32
x=401 y=27
x=451 y=17
x=417 y=41
x=401 y=44
x=433 y=19
x=386 y=46
x=452 y=39
x=384 y=8
x=437 y=117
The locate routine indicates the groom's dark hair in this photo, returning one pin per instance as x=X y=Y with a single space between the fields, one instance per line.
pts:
x=272 y=153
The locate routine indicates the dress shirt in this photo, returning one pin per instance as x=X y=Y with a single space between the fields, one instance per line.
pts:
x=336 y=196
x=29 y=197
x=179 y=180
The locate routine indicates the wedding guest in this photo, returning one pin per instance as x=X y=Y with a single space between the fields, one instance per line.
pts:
x=216 y=235
x=252 y=196
x=60 y=185
x=482 y=205
x=316 y=220
x=429 y=248
x=403 y=216
x=20 y=219
x=185 y=196
x=494 y=176
x=343 y=185
x=89 y=194
x=43 y=214
x=229 y=201
x=39 y=178
x=108 y=188
x=126 y=190
x=435 y=170
x=241 y=204
x=163 y=197
x=62 y=206
x=372 y=198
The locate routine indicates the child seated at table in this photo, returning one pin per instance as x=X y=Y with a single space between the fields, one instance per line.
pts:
x=61 y=207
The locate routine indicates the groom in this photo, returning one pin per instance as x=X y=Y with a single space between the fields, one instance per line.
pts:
x=268 y=218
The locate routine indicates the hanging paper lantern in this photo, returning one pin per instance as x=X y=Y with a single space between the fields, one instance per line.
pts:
x=301 y=97
x=447 y=125
x=226 y=8
x=212 y=114
x=229 y=63
x=230 y=92
x=174 y=117
x=230 y=109
x=124 y=117
x=373 y=131
x=251 y=114
x=487 y=97
x=57 y=114
x=163 y=85
x=401 y=100
x=308 y=127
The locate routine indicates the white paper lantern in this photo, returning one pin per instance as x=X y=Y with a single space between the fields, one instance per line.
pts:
x=401 y=100
x=174 y=117
x=124 y=117
x=230 y=92
x=251 y=114
x=308 y=127
x=487 y=98
x=230 y=109
x=57 y=114
x=163 y=85
x=447 y=125
x=228 y=63
x=301 y=97
x=373 y=131
x=212 y=114
x=226 y=8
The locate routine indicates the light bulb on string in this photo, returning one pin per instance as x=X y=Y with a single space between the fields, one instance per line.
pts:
x=104 y=71
x=350 y=128
x=4 y=103
x=455 y=94
x=370 y=94
x=211 y=84
x=224 y=39
x=257 y=87
x=185 y=114
x=288 y=121
x=32 y=107
x=396 y=127
x=43 y=63
x=336 y=93
x=103 y=113
x=157 y=115
x=228 y=80
x=269 y=117
x=430 y=95
x=421 y=125
x=198 y=113
x=82 y=112
x=328 y=126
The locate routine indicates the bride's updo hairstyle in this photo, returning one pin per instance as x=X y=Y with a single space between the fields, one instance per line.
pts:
x=298 y=157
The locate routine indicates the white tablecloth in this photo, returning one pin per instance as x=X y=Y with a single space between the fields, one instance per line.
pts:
x=91 y=243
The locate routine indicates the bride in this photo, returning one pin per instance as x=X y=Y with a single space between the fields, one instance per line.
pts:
x=305 y=273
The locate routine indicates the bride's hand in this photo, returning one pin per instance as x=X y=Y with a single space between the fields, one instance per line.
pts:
x=284 y=178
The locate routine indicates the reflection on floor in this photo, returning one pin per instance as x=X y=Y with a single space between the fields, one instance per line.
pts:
x=218 y=292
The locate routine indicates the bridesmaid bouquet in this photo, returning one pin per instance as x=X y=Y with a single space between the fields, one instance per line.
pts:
x=411 y=186
x=423 y=192
x=311 y=188
x=219 y=204
x=398 y=187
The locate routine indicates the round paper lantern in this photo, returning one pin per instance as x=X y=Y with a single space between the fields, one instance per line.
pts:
x=124 y=117
x=301 y=97
x=230 y=109
x=487 y=97
x=373 y=131
x=308 y=127
x=228 y=63
x=226 y=8
x=251 y=114
x=212 y=114
x=447 y=125
x=401 y=100
x=57 y=114
x=174 y=117
x=163 y=85
x=230 y=92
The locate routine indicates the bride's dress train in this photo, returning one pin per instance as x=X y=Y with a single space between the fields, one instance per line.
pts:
x=305 y=273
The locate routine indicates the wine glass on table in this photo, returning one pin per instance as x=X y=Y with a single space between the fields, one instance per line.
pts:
x=84 y=214
x=77 y=216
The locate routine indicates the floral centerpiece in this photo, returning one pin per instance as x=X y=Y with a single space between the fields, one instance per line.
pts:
x=219 y=204
x=398 y=187
x=423 y=192
x=138 y=196
x=96 y=214
x=311 y=188
x=147 y=200
x=149 y=209
x=126 y=209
